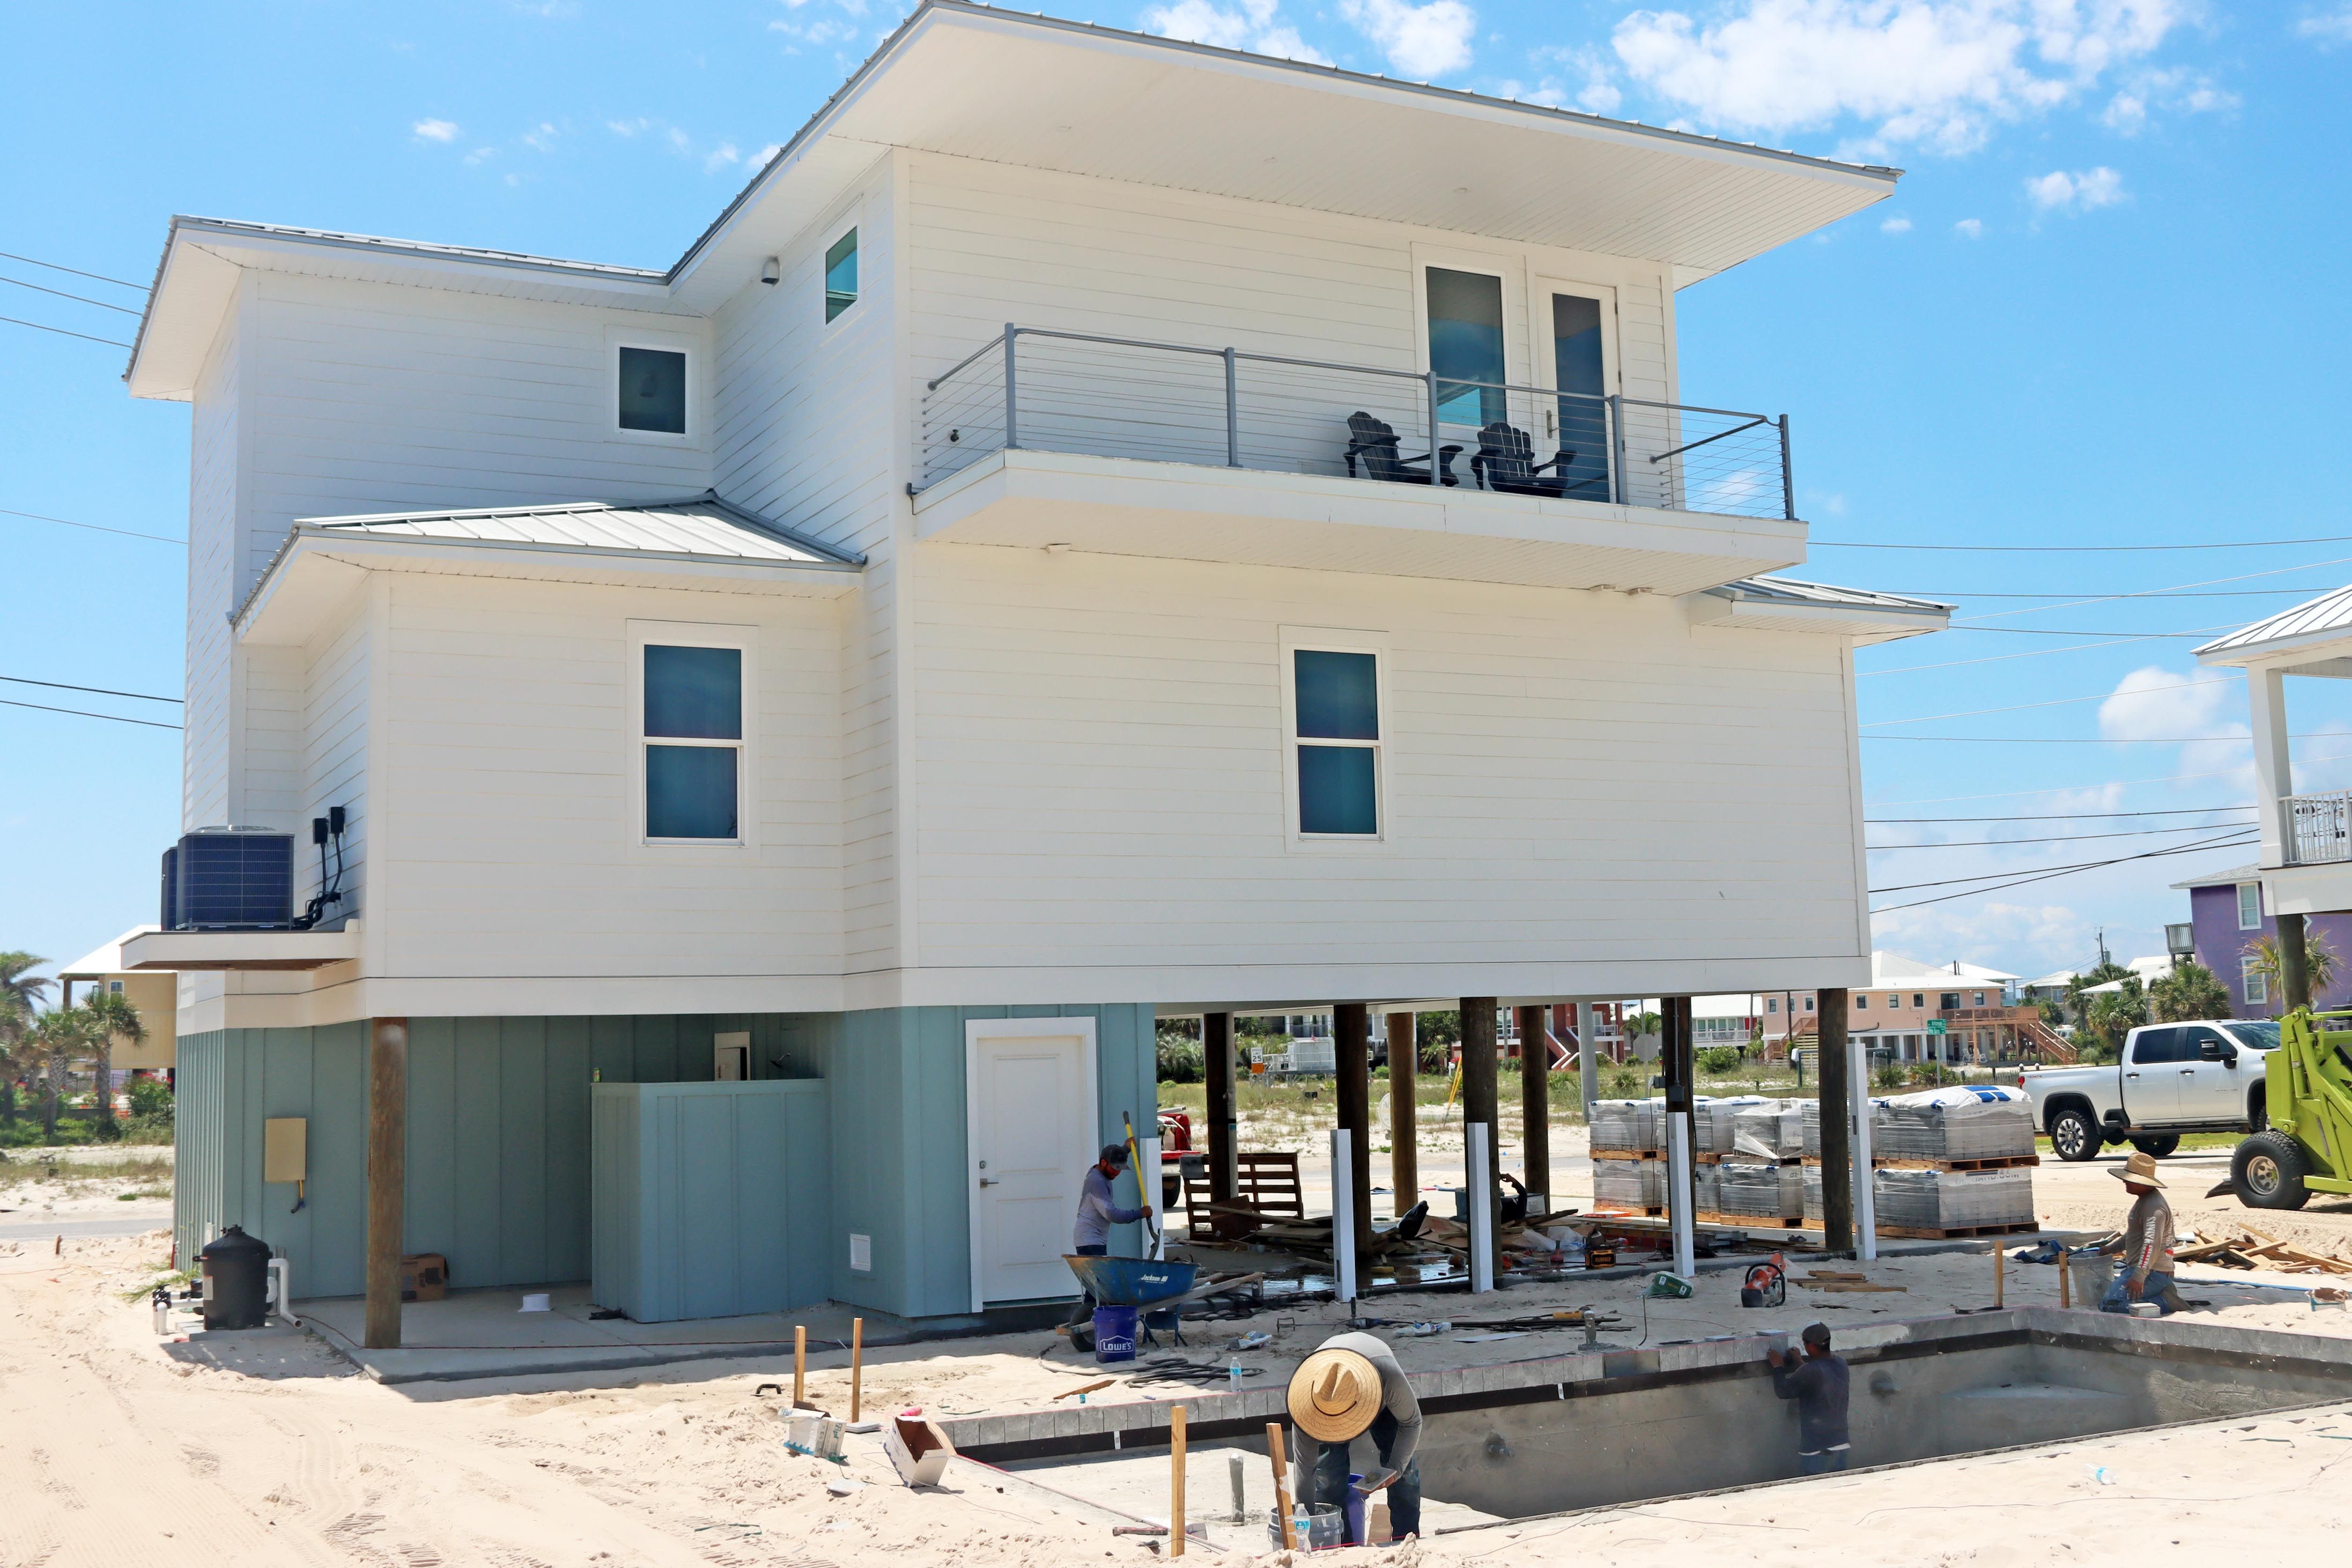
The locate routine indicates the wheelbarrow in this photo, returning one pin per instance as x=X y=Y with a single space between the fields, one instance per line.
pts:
x=1140 y=1282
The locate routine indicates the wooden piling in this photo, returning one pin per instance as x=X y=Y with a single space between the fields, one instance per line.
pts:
x=1534 y=1100
x=1176 y=1481
x=1404 y=1147
x=1223 y=1118
x=1834 y=1079
x=1281 y=1485
x=387 y=1175
x=1351 y=1040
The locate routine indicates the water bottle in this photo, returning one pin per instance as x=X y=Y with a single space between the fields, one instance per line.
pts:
x=1302 y=1528
x=1233 y=1375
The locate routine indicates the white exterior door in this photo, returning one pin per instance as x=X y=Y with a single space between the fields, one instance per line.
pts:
x=1032 y=1124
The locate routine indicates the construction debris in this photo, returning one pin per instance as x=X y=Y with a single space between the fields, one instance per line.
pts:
x=2255 y=1250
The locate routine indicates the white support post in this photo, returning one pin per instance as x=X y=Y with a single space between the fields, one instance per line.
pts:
x=1476 y=1138
x=1343 y=1215
x=1147 y=1153
x=1679 y=1194
x=2274 y=772
x=1865 y=1184
x=1588 y=1074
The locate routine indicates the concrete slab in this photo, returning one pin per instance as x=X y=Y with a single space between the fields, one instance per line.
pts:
x=484 y=1333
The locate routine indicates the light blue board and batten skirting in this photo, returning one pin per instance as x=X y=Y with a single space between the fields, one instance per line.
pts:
x=709 y=1198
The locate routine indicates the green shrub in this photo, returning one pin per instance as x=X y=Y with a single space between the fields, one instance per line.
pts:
x=1181 y=1061
x=150 y=1098
x=1716 y=1058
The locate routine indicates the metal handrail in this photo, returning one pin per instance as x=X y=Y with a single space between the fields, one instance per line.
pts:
x=1611 y=406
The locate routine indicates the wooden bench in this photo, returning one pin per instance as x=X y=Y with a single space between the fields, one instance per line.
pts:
x=1265 y=1181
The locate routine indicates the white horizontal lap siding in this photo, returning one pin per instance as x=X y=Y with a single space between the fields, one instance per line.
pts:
x=365 y=397
x=805 y=406
x=1568 y=776
x=870 y=763
x=335 y=754
x=215 y=547
x=511 y=842
x=270 y=781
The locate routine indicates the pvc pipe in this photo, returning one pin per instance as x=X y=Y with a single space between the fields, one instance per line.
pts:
x=1865 y=1185
x=281 y=1288
x=1343 y=1215
x=1588 y=1074
x=1679 y=1194
x=1480 y=1186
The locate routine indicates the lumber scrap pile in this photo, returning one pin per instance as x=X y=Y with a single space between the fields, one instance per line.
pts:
x=2255 y=1250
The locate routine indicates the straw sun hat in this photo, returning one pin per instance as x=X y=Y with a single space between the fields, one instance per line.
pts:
x=1334 y=1395
x=2140 y=1168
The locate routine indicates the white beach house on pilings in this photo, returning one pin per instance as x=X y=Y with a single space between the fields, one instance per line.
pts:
x=1100 y=527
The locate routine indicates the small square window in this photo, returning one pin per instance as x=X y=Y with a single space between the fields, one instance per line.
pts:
x=841 y=275
x=653 y=391
x=1918 y=999
x=1771 y=1004
x=2249 y=906
x=1808 y=1003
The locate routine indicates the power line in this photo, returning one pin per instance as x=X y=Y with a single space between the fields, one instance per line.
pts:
x=63 y=295
x=2039 y=652
x=2054 y=702
x=2236 y=836
x=2206 y=583
x=2090 y=740
x=2054 y=631
x=2078 y=549
x=2054 y=838
x=2070 y=816
x=2146 y=593
x=2103 y=784
x=95 y=528
x=2045 y=876
x=81 y=713
x=54 y=266
x=93 y=690
x=112 y=342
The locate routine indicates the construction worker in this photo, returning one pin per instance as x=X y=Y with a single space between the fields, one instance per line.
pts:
x=1090 y=1237
x=1349 y=1387
x=1818 y=1384
x=2144 y=1272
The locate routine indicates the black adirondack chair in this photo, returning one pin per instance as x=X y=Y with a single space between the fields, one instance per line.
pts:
x=1375 y=441
x=1506 y=461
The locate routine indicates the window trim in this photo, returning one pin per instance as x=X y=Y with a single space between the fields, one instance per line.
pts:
x=691 y=634
x=619 y=338
x=1289 y=642
x=2252 y=984
x=2243 y=923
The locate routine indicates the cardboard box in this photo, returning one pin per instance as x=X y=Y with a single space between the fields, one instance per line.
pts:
x=918 y=1449
x=424 y=1277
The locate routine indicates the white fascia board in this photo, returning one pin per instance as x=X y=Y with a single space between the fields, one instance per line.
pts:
x=317 y=569
x=1863 y=623
x=195 y=950
x=2294 y=655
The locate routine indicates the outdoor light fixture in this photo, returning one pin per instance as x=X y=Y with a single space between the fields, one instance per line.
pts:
x=770 y=270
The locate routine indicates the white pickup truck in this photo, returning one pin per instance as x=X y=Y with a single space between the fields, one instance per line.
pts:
x=2173 y=1079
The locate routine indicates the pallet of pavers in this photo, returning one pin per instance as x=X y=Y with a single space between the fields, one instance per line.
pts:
x=1937 y=1205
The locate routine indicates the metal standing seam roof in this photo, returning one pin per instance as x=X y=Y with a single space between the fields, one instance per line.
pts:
x=2331 y=612
x=704 y=526
x=1790 y=591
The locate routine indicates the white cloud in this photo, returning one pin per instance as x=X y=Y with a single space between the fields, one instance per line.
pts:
x=1969 y=229
x=1895 y=225
x=540 y=138
x=1420 y=41
x=628 y=127
x=2059 y=190
x=1587 y=69
x=1252 y=25
x=436 y=129
x=2184 y=92
x=718 y=157
x=2334 y=29
x=1934 y=73
x=822 y=31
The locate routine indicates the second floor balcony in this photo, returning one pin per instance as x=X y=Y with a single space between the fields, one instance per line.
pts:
x=1039 y=434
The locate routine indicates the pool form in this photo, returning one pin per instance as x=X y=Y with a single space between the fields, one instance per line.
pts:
x=1582 y=1430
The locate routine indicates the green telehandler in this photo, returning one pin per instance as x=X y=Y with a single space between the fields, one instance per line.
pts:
x=2307 y=1147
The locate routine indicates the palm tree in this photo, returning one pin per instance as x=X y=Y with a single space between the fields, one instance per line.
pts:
x=2190 y=991
x=21 y=994
x=2117 y=1013
x=2319 y=967
x=56 y=1034
x=2080 y=1005
x=111 y=1016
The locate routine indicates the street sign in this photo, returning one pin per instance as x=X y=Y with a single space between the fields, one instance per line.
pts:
x=1936 y=1026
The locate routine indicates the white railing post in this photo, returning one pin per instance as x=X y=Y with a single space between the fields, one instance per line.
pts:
x=1479 y=1185
x=1012 y=392
x=2273 y=774
x=1865 y=1184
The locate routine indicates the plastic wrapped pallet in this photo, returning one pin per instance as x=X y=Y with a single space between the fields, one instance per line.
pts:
x=1761 y=1190
x=1629 y=1184
x=1769 y=1130
x=1634 y=1125
x=1712 y=1122
x=1706 y=1189
x=1952 y=1200
x=1979 y=1122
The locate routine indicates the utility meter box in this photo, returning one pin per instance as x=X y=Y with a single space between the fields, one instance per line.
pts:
x=286 y=1149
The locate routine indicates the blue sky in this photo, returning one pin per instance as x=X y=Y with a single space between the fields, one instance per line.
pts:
x=2104 y=309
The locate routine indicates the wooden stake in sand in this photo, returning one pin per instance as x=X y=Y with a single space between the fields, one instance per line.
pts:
x=1176 y=1481
x=856 y=1363
x=800 y=1365
x=2000 y=1270
x=1281 y=1485
x=2066 y=1271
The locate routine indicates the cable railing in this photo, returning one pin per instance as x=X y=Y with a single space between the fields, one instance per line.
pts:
x=1081 y=392
x=2319 y=828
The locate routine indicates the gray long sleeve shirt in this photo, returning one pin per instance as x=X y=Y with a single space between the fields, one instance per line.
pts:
x=1096 y=1213
x=1819 y=1385
x=1396 y=1393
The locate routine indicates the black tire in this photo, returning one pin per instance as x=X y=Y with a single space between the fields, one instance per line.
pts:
x=2267 y=1172
x=2157 y=1148
x=2258 y=1113
x=2074 y=1136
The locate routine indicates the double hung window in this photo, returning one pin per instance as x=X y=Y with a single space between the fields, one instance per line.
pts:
x=2249 y=906
x=2257 y=982
x=1336 y=742
x=693 y=743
